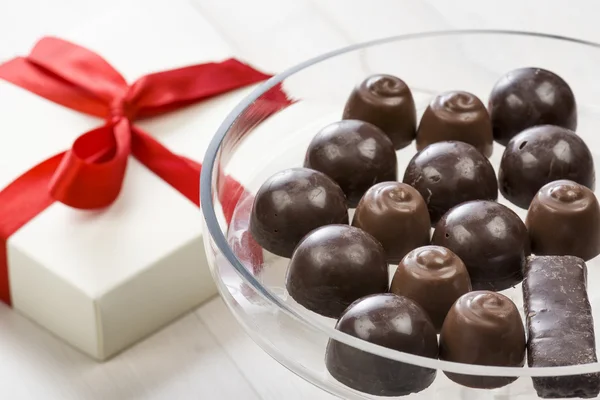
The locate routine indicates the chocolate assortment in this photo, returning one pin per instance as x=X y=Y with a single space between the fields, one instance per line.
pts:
x=540 y=155
x=560 y=325
x=396 y=215
x=450 y=173
x=456 y=116
x=355 y=154
x=448 y=282
x=528 y=97
x=372 y=319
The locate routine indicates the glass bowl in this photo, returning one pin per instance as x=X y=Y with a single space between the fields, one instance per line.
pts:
x=265 y=134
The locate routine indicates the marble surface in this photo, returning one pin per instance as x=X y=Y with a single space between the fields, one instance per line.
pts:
x=206 y=354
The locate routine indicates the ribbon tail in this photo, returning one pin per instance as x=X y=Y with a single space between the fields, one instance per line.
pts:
x=20 y=202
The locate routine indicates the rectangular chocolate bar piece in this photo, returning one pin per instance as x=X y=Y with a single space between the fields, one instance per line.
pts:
x=560 y=324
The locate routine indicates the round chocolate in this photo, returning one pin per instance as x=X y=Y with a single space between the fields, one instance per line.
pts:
x=391 y=321
x=450 y=173
x=490 y=239
x=292 y=203
x=483 y=328
x=386 y=102
x=333 y=266
x=456 y=116
x=435 y=278
x=527 y=97
x=396 y=215
x=355 y=154
x=541 y=155
x=564 y=219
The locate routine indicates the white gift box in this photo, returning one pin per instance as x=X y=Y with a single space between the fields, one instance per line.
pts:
x=102 y=280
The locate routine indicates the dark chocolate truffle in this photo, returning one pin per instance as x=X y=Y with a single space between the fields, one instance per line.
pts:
x=435 y=278
x=541 y=155
x=333 y=266
x=490 y=239
x=564 y=219
x=355 y=154
x=527 y=97
x=450 y=173
x=560 y=324
x=456 y=116
x=386 y=102
x=483 y=328
x=396 y=215
x=391 y=321
x=292 y=203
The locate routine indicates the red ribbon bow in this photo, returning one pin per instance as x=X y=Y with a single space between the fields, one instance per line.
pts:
x=90 y=174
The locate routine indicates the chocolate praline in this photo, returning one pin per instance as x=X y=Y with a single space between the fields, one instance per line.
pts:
x=483 y=328
x=292 y=203
x=541 y=155
x=527 y=97
x=564 y=219
x=450 y=173
x=333 y=266
x=355 y=154
x=386 y=102
x=396 y=215
x=391 y=321
x=456 y=116
x=490 y=239
x=434 y=277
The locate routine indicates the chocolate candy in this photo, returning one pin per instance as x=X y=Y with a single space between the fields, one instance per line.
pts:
x=541 y=155
x=292 y=203
x=434 y=277
x=396 y=215
x=527 y=97
x=560 y=325
x=355 y=154
x=386 y=102
x=483 y=328
x=335 y=265
x=450 y=173
x=456 y=116
x=490 y=239
x=564 y=219
x=391 y=321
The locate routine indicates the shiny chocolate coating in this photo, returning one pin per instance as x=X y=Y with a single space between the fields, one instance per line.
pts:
x=355 y=154
x=434 y=277
x=483 y=328
x=396 y=215
x=386 y=102
x=450 y=173
x=564 y=219
x=391 y=321
x=490 y=239
x=527 y=97
x=335 y=265
x=292 y=203
x=541 y=155
x=456 y=116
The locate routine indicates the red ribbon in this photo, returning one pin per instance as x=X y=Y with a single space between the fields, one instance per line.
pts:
x=90 y=174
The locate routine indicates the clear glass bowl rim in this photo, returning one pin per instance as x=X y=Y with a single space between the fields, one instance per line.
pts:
x=212 y=223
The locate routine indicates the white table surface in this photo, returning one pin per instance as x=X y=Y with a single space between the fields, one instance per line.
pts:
x=205 y=355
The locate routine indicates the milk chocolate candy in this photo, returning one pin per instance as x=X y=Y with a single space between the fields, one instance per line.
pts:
x=527 y=97
x=333 y=266
x=391 y=321
x=564 y=219
x=386 y=102
x=396 y=215
x=355 y=154
x=292 y=203
x=560 y=325
x=457 y=116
